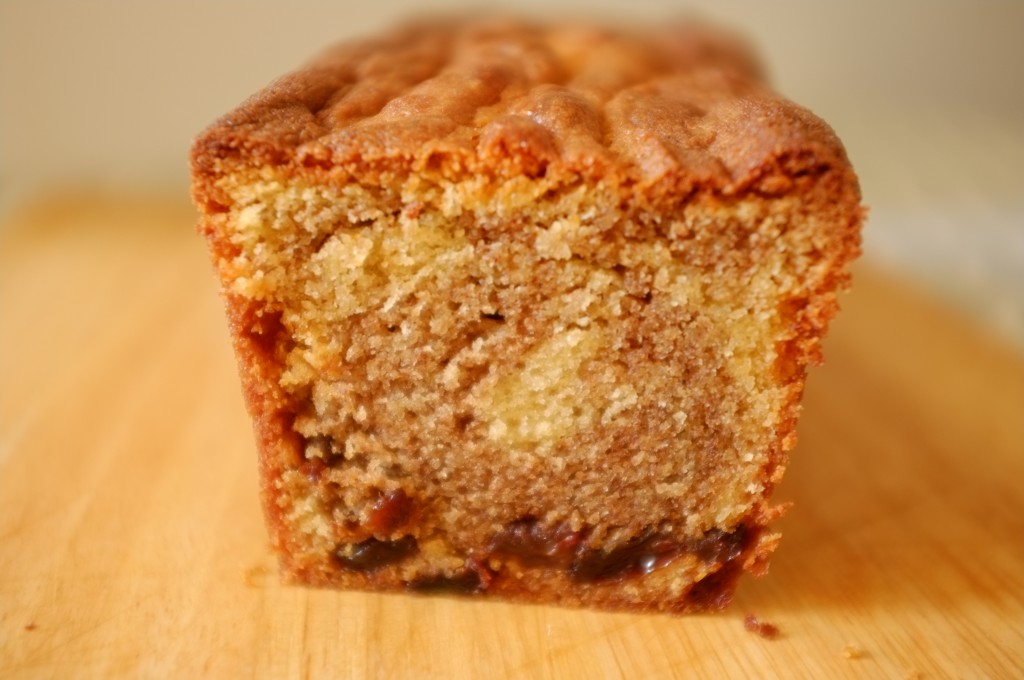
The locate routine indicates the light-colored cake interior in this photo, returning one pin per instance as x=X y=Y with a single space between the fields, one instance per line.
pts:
x=622 y=374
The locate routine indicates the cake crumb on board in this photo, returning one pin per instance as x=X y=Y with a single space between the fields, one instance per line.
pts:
x=258 y=576
x=852 y=651
x=768 y=631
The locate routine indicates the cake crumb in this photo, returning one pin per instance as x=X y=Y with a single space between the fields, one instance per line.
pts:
x=256 y=576
x=852 y=651
x=768 y=631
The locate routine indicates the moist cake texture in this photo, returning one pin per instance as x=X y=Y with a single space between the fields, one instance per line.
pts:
x=524 y=310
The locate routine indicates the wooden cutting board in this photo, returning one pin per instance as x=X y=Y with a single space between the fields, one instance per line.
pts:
x=132 y=545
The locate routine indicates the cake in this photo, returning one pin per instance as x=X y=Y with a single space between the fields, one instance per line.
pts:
x=523 y=310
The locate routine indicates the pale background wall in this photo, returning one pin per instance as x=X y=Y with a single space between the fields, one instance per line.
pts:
x=928 y=96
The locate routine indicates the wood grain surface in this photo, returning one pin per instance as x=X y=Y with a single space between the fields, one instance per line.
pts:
x=132 y=545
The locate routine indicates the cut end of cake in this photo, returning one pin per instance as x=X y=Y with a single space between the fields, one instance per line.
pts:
x=525 y=311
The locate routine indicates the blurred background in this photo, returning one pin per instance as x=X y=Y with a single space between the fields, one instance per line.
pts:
x=928 y=96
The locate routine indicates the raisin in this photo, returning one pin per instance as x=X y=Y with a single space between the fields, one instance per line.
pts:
x=718 y=546
x=714 y=591
x=531 y=545
x=463 y=583
x=475 y=577
x=638 y=557
x=313 y=469
x=321 y=447
x=390 y=512
x=373 y=554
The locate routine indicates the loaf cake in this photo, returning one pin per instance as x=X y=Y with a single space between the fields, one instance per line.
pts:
x=523 y=310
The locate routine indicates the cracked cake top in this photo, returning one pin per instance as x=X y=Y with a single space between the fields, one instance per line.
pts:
x=663 y=114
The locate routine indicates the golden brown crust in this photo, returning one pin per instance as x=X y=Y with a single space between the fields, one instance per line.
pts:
x=652 y=123
x=661 y=114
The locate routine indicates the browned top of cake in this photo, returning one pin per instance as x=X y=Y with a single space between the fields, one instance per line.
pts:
x=661 y=112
